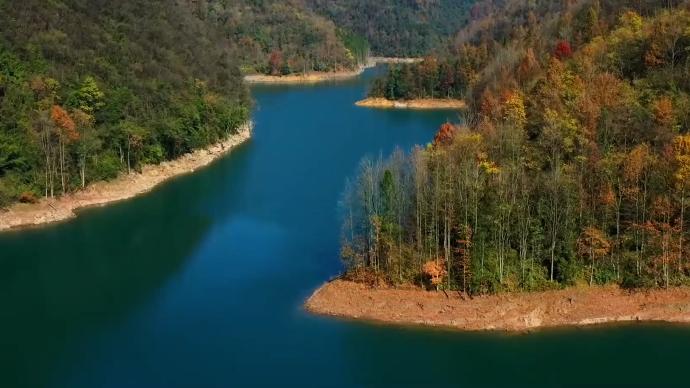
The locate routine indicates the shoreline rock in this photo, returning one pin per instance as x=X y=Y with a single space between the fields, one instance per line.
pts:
x=515 y=312
x=424 y=103
x=126 y=186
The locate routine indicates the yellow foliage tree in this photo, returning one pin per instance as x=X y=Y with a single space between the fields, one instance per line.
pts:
x=514 y=112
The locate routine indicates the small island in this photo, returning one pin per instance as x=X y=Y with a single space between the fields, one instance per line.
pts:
x=421 y=84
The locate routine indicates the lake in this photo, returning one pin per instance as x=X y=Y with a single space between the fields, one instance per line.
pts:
x=201 y=282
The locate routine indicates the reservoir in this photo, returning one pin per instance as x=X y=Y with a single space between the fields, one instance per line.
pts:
x=201 y=282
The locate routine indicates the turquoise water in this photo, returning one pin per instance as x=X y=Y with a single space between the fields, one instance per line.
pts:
x=201 y=282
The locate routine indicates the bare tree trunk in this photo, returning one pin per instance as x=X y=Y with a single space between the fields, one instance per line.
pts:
x=62 y=163
x=83 y=171
x=681 y=230
x=46 y=150
x=591 y=257
x=129 y=168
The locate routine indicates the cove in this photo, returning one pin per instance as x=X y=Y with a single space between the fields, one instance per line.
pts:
x=201 y=282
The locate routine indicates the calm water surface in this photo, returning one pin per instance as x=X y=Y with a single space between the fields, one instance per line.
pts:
x=200 y=283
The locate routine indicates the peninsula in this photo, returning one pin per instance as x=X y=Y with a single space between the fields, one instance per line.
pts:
x=546 y=203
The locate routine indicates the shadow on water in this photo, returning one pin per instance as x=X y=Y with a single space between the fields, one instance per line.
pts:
x=630 y=355
x=68 y=280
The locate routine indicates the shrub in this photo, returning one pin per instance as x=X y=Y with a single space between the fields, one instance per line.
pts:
x=28 y=197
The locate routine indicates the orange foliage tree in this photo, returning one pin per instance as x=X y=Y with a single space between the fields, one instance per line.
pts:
x=67 y=133
x=445 y=134
x=594 y=244
x=435 y=271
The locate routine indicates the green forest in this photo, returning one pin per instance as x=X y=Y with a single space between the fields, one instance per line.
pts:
x=279 y=37
x=397 y=28
x=88 y=92
x=571 y=165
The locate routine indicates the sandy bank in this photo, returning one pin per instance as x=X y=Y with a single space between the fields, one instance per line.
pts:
x=124 y=187
x=315 y=76
x=506 y=312
x=425 y=103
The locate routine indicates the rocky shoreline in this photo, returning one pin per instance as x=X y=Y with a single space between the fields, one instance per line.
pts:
x=126 y=186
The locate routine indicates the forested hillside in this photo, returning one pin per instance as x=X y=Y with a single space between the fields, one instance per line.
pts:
x=281 y=37
x=573 y=166
x=397 y=28
x=89 y=89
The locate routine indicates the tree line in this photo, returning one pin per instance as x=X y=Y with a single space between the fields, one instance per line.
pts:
x=572 y=166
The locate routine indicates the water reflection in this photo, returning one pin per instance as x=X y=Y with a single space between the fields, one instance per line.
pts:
x=60 y=283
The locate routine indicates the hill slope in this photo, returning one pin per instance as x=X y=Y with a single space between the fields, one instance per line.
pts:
x=397 y=28
x=281 y=37
x=92 y=88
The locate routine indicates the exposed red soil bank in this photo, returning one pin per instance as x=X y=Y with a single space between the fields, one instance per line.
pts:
x=507 y=312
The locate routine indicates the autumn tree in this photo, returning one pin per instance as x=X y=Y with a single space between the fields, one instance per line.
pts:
x=435 y=271
x=275 y=62
x=563 y=50
x=593 y=244
x=445 y=135
x=66 y=133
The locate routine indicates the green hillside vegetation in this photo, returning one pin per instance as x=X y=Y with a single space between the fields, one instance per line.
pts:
x=280 y=37
x=397 y=28
x=573 y=166
x=295 y=36
x=90 y=89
